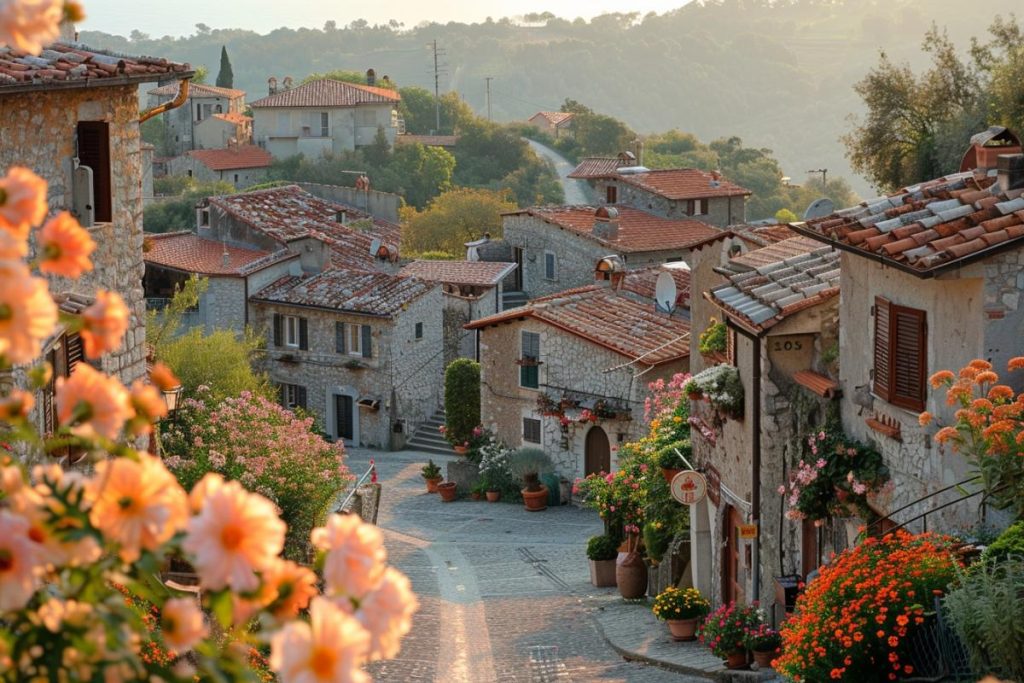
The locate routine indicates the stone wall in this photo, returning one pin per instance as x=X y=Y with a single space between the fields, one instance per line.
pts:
x=460 y=310
x=382 y=205
x=241 y=178
x=38 y=131
x=722 y=211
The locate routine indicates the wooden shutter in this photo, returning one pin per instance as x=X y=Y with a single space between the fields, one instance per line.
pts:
x=282 y=394
x=367 y=342
x=303 y=335
x=94 y=152
x=909 y=357
x=339 y=337
x=278 y=329
x=300 y=397
x=883 y=349
x=74 y=352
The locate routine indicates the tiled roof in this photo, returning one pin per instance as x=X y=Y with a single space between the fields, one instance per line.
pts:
x=555 y=118
x=476 y=273
x=927 y=227
x=351 y=291
x=233 y=117
x=428 y=140
x=242 y=156
x=190 y=253
x=326 y=92
x=199 y=90
x=762 y=235
x=682 y=183
x=638 y=230
x=773 y=253
x=643 y=281
x=765 y=296
x=289 y=213
x=67 y=65
x=605 y=317
x=595 y=167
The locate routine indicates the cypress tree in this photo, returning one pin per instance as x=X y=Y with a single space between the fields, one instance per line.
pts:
x=225 y=77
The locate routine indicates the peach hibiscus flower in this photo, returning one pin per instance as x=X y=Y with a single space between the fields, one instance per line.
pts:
x=285 y=587
x=149 y=406
x=22 y=192
x=181 y=624
x=18 y=572
x=163 y=377
x=65 y=247
x=329 y=649
x=12 y=247
x=104 y=324
x=136 y=504
x=27 y=313
x=30 y=25
x=386 y=613
x=235 y=534
x=16 y=405
x=356 y=557
x=92 y=404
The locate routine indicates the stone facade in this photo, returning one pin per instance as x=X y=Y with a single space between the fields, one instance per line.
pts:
x=241 y=178
x=460 y=310
x=184 y=122
x=722 y=211
x=285 y=132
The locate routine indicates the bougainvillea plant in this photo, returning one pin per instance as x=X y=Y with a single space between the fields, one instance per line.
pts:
x=724 y=631
x=853 y=621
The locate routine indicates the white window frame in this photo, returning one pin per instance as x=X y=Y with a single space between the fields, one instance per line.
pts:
x=554 y=265
x=291 y=331
x=354 y=346
x=325 y=124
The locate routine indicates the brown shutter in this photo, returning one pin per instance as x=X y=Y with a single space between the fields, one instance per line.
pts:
x=278 y=329
x=74 y=353
x=909 y=357
x=883 y=349
x=303 y=335
x=94 y=152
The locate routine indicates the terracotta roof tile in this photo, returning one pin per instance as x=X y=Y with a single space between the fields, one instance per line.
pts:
x=190 y=253
x=638 y=230
x=326 y=92
x=241 y=156
x=823 y=386
x=596 y=167
x=198 y=90
x=476 y=273
x=350 y=291
x=773 y=253
x=72 y=65
x=555 y=118
x=682 y=183
x=643 y=282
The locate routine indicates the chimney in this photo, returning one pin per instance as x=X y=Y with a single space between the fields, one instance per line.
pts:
x=287 y=82
x=371 y=77
x=272 y=86
x=1010 y=171
x=225 y=257
x=341 y=216
x=606 y=223
x=386 y=81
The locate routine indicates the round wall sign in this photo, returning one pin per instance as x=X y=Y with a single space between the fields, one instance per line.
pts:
x=689 y=487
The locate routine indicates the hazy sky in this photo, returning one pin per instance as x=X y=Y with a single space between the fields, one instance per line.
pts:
x=180 y=17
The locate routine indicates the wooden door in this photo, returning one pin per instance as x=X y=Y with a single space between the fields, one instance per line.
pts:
x=597 y=452
x=731 y=587
x=343 y=419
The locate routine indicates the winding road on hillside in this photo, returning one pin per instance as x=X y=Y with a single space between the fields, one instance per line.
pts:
x=576 y=191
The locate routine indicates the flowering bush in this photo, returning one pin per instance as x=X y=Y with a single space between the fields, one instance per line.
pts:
x=713 y=338
x=725 y=629
x=852 y=622
x=265 y=447
x=618 y=497
x=496 y=469
x=836 y=473
x=721 y=386
x=988 y=429
x=677 y=604
x=762 y=638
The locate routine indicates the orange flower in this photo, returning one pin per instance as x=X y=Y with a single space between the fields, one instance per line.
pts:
x=22 y=195
x=331 y=647
x=16 y=405
x=979 y=364
x=12 y=247
x=893 y=641
x=104 y=324
x=968 y=372
x=182 y=624
x=1000 y=392
x=163 y=377
x=987 y=377
x=149 y=406
x=30 y=25
x=924 y=419
x=65 y=247
x=981 y=404
x=1015 y=363
x=92 y=404
x=293 y=585
x=940 y=378
x=27 y=313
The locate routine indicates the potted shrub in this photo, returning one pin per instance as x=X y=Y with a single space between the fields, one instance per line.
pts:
x=432 y=475
x=725 y=632
x=527 y=464
x=448 y=491
x=693 y=391
x=602 y=551
x=722 y=387
x=477 y=492
x=682 y=609
x=669 y=461
x=461 y=402
x=630 y=569
x=764 y=642
x=712 y=342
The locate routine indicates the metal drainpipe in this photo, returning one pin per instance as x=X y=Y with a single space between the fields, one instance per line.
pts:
x=755 y=458
x=178 y=100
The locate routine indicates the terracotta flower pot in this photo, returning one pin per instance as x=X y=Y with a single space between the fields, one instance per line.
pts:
x=461 y=450
x=602 y=573
x=764 y=658
x=493 y=496
x=476 y=495
x=736 y=660
x=694 y=395
x=448 y=491
x=670 y=472
x=536 y=501
x=631 y=576
x=683 y=629
x=432 y=484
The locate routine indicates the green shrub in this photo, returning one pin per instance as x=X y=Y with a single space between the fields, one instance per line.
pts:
x=527 y=463
x=987 y=611
x=461 y=400
x=220 y=361
x=656 y=539
x=668 y=458
x=430 y=470
x=713 y=338
x=1009 y=543
x=602 y=547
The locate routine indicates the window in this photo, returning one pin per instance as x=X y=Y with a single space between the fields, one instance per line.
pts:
x=207 y=111
x=291 y=327
x=199 y=112
x=291 y=331
x=550 y=266
x=529 y=369
x=236 y=179
x=63 y=357
x=531 y=430
x=219 y=109
x=189 y=171
x=204 y=217
x=901 y=354
x=611 y=194
x=697 y=207
x=94 y=152
x=354 y=340
x=419 y=330
x=325 y=129
x=292 y=396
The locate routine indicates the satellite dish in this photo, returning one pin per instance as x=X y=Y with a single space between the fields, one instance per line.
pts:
x=665 y=293
x=472 y=254
x=819 y=208
x=375 y=247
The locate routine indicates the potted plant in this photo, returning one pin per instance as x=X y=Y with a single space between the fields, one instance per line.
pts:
x=630 y=569
x=725 y=632
x=670 y=462
x=448 y=491
x=527 y=464
x=682 y=609
x=712 y=342
x=432 y=475
x=477 y=492
x=493 y=493
x=602 y=551
x=764 y=642
x=461 y=402
x=722 y=387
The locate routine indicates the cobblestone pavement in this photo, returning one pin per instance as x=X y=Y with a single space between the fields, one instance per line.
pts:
x=504 y=593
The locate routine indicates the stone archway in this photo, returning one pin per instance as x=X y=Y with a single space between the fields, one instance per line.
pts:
x=597 y=454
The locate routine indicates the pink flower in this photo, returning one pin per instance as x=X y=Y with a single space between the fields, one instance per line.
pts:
x=18 y=575
x=330 y=649
x=22 y=192
x=104 y=324
x=386 y=613
x=181 y=624
x=356 y=558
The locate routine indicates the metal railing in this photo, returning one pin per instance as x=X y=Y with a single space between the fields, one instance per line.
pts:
x=876 y=525
x=371 y=474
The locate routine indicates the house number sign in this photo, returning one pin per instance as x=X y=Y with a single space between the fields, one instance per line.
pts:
x=689 y=487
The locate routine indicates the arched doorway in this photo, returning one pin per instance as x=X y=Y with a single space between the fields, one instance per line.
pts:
x=597 y=453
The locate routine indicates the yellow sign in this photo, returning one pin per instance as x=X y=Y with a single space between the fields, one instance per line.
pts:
x=689 y=487
x=748 y=531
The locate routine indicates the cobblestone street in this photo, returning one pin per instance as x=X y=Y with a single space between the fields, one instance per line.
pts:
x=503 y=592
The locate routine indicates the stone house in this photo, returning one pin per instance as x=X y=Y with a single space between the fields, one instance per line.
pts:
x=80 y=132
x=555 y=248
x=931 y=279
x=240 y=165
x=323 y=116
x=555 y=123
x=232 y=273
x=472 y=290
x=210 y=117
x=568 y=372
x=780 y=305
x=362 y=351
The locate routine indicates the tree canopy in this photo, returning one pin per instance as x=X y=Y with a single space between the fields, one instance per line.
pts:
x=454 y=218
x=225 y=77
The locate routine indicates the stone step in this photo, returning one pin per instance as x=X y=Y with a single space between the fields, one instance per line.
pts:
x=413 y=445
x=429 y=439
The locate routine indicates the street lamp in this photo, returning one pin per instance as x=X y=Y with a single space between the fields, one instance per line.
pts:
x=171 y=401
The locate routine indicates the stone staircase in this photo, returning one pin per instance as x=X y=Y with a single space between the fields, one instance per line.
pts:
x=428 y=439
x=513 y=299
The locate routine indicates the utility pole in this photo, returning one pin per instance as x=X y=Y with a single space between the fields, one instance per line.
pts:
x=437 y=85
x=488 y=79
x=824 y=177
